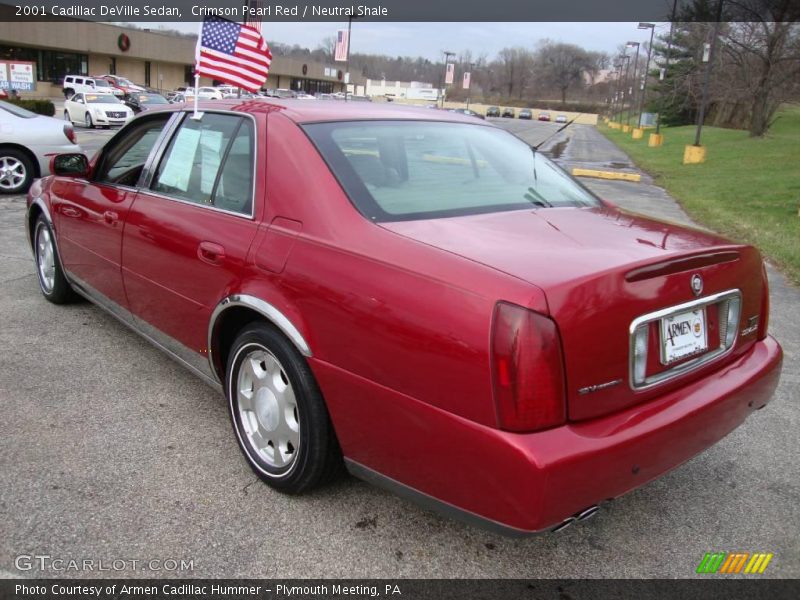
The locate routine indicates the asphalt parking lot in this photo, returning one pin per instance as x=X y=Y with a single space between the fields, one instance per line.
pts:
x=110 y=451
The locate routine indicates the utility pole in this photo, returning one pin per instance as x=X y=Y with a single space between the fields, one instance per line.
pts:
x=447 y=55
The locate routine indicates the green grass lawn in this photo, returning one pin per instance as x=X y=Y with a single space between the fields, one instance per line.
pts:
x=748 y=189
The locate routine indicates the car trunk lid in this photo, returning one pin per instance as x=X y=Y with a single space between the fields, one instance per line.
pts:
x=602 y=269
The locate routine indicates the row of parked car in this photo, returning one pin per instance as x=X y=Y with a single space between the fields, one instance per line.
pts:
x=525 y=113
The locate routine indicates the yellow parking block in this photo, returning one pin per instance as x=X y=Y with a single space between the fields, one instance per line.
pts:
x=606 y=174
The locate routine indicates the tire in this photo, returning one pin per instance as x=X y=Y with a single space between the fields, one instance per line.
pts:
x=87 y=121
x=278 y=413
x=16 y=171
x=52 y=282
x=67 y=118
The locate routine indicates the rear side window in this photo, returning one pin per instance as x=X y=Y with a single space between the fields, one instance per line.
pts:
x=210 y=162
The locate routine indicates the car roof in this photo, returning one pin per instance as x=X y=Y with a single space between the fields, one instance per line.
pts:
x=301 y=111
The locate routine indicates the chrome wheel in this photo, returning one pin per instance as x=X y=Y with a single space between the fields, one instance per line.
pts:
x=45 y=258
x=88 y=121
x=66 y=116
x=12 y=173
x=268 y=409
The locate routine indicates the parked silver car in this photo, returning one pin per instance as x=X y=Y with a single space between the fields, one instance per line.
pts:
x=27 y=141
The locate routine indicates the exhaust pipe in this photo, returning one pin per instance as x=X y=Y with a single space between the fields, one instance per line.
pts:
x=563 y=525
x=586 y=513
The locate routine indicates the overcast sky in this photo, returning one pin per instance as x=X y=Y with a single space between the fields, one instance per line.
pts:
x=430 y=39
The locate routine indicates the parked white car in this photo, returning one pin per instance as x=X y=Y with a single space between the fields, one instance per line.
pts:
x=203 y=93
x=92 y=110
x=27 y=144
x=79 y=84
x=302 y=96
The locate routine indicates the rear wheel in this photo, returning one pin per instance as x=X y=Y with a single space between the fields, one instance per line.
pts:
x=278 y=413
x=52 y=282
x=16 y=171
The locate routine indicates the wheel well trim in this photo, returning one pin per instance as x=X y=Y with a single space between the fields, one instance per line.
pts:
x=41 y=205
x=266 y=310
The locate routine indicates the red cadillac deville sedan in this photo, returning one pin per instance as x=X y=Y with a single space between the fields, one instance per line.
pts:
x=417 y=295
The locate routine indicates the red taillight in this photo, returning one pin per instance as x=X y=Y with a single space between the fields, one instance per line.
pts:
x=528 y=370
x=763 y=320
x=69 y=131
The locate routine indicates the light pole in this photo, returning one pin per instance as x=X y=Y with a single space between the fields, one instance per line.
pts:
x=633 y=88
x=627 y=60
x=447 y=55
x=666 y=65
x=615 y=96
x=707 y=77
x=469 y=89
x=347 y=63
x=652 y=28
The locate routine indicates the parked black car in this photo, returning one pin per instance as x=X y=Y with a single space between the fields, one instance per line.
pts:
x=468 y=112
x=140 y=102
x=509 y=113
x=493 y=111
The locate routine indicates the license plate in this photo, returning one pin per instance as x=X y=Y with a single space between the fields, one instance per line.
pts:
x=683 y=335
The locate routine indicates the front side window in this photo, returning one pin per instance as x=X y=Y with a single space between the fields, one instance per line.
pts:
x=123 y=160
x=210 y=162
x=404 y=170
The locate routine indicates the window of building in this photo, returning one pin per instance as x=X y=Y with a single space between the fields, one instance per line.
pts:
x=51 y=65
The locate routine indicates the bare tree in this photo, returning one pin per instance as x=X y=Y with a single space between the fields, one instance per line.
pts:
x=563 y=65
x=761 y=59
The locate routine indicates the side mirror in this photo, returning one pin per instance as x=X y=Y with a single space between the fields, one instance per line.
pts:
x=70 y=165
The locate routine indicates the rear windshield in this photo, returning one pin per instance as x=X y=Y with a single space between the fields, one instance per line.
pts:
x=406 y=170
x=16 y=110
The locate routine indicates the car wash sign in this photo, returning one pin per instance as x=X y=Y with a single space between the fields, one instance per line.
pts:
x=17 y=75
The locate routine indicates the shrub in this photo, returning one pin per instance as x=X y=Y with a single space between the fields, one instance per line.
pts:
x=39 y=106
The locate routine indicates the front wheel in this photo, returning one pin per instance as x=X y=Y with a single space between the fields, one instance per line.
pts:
x=278 y=413
x=52 y=282
x=88 y=121
x=67 y=118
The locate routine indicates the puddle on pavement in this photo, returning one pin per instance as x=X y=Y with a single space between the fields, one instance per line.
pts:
x=619 y=165
x=558 y=149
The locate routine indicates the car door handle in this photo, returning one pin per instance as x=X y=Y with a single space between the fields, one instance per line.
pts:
x=211 y=253
x=110 y=217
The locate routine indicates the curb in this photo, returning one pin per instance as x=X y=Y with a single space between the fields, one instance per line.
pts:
x=635 y=177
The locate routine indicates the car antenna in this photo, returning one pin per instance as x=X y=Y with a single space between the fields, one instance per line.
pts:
x=556 y=132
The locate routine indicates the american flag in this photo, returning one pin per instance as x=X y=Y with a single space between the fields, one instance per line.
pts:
x=233 y=53
x=342 y=41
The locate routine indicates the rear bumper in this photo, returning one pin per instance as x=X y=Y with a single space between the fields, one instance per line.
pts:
x=523 y=483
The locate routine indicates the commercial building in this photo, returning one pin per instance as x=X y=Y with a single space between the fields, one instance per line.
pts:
x=157 y=59
x=411 y=90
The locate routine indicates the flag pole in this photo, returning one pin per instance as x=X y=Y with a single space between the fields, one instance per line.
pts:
x=196 y=116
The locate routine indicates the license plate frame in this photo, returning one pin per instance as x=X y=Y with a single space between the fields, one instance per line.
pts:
x=683 y=335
